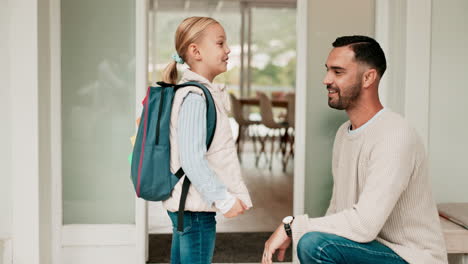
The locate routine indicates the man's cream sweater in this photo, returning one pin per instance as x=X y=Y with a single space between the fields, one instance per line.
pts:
x=381 y=192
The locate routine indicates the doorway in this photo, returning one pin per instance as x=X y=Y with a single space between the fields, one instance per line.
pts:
x=262 y=39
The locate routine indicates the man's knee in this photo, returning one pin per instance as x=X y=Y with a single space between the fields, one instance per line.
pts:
x=311 y=245
x=313 y=240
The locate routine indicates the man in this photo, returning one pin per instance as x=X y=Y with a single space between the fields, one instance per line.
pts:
x=382 y=209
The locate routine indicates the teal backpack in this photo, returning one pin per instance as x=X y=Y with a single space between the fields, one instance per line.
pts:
x=150 y=166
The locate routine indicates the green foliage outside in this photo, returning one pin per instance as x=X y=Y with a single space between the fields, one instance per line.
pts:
x=273 y=36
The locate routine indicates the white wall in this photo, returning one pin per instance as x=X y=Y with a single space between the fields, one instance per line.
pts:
x=5 y=128
x=448 y=126
x=1 y=252
x=24 y=63
x=390 y=32
x=427 y=85
x=327 y=20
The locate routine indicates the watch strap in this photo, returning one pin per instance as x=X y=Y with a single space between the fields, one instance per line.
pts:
x=287 y=228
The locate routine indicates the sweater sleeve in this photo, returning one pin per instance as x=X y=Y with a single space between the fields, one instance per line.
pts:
x=389 y=170
x=332 y=207
x=192 y=138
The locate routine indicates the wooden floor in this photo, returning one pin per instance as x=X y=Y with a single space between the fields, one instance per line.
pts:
x=272 y=197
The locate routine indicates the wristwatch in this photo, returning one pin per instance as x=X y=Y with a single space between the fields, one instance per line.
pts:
x=287 y=221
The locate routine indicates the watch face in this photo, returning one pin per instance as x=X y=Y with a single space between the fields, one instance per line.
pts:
x=287 y=220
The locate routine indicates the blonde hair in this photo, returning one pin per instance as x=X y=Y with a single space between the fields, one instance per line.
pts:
x=188 y=32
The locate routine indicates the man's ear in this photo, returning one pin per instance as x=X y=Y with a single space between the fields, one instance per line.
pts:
x=369 y=78
x=194 y=52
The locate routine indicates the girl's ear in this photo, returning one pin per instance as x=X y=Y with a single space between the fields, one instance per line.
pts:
x=194 y=52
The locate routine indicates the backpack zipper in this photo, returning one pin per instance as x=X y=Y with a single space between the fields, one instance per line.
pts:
x=159 y=115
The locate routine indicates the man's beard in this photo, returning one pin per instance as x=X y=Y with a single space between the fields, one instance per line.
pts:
x=345 y=101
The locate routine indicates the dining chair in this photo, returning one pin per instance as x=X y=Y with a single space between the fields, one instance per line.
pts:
x=277 y=130
x=291 y=119
x=244 y=125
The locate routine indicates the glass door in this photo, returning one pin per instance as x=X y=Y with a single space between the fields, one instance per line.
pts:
x=98 y=110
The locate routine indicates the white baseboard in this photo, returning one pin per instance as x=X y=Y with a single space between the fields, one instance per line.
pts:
x=90 y=244
x=103 y=254
x=98 y=235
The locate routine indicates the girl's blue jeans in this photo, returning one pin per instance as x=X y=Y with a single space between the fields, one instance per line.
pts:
x=317 y=247
x=195 y=244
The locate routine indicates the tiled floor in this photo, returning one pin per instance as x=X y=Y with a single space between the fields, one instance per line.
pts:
x=271 y=192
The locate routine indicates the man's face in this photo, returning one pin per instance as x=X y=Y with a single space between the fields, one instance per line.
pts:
x=343 y=78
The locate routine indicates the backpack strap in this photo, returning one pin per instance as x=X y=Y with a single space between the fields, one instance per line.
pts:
x=210 y=129
x=183 y=197
x=210 y=107
x=210 y=110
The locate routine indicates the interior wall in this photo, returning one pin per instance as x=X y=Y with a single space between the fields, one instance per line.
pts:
x=5 y=125
x=1 y=252
x=390 y=32
x=327 y=20
x=448 y=95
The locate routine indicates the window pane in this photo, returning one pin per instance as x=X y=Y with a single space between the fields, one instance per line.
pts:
x=273 y=66
x=98 y=118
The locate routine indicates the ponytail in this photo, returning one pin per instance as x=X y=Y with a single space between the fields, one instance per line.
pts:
x=170 y=73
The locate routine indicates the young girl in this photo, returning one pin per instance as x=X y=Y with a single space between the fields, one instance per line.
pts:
x=215 y=173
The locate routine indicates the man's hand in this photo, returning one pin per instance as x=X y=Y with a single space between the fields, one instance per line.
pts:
x=280 y=241
x=238 y=208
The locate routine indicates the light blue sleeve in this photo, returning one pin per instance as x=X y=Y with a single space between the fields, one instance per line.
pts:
x=191 y=135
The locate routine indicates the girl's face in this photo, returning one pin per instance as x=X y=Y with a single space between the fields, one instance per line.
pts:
x=214 y=50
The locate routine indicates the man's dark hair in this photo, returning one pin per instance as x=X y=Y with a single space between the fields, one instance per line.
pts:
x=366 y=50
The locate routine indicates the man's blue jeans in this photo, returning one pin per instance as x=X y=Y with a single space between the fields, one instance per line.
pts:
x=195 y=245
x=316 y=247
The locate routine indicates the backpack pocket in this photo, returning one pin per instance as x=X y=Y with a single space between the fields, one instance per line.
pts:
x=155 y=178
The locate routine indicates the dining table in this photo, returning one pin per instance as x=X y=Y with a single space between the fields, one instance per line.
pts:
x=254 y=101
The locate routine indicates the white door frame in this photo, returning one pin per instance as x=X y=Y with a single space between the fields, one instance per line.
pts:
x=88 y=236
x=301 y=100
x=24 y=105
x=141 y=61
x=99 y=235
x=56 y=129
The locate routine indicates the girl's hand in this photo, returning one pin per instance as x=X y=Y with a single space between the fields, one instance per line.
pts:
x=238 y=208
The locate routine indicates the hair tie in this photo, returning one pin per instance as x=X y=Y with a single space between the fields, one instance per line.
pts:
x=177 y=58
